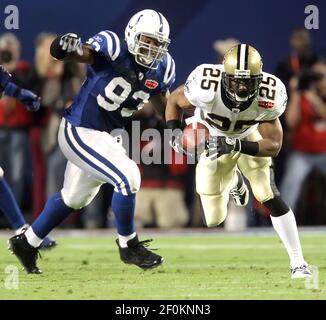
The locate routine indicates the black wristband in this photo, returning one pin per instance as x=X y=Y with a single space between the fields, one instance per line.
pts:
x=247 y=147
x=173 y=124
x=56 y=50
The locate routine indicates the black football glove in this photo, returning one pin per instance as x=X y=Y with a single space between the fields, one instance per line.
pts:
x=217 y=146
x=176 y=137
x=175 y=143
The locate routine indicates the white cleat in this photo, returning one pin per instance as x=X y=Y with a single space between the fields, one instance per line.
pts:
x=240 y=192
x=301 y=272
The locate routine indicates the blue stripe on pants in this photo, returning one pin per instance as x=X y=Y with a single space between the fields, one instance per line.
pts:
x=96 y=155
x=90 y=163
x=101 y=159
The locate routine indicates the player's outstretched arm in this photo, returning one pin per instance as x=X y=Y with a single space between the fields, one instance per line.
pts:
x=28 y=98
x=176 y=102
x=68 y=47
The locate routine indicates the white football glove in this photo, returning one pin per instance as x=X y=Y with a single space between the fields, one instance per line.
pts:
x=70 y=42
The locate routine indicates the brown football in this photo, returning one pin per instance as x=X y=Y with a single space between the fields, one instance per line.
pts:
x=194 y=136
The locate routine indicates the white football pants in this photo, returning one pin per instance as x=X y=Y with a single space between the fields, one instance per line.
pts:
x=94 y=157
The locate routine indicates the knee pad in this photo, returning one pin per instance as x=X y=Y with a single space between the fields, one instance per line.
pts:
x=277 y=207
x=77 y=199
x=215 y=209
x=1 y=173
x=133 y=177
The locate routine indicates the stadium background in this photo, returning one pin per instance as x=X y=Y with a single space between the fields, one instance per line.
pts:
x=194 y=25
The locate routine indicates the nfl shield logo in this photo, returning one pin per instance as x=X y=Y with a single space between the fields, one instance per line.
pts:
x=151 y=84
x=266 y=104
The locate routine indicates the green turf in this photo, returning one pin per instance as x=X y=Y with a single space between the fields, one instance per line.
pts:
x=196 y=267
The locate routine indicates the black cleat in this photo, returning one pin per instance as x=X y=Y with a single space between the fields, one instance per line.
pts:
x=25 y=253
x=47 y=242
x=137 y=254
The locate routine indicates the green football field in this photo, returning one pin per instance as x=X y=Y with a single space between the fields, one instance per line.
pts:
x=197 y=266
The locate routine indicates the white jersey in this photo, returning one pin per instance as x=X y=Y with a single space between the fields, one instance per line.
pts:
x=203 y=90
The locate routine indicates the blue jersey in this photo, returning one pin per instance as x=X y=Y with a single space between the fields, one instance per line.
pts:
x=116 y=86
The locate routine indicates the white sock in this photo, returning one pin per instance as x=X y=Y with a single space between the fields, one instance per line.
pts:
x=286 y=228
x=124 y=239
x=32 y=238
x=19 y=230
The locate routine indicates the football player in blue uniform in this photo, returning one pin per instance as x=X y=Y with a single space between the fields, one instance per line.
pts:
x=8 y=204
x=122 y=75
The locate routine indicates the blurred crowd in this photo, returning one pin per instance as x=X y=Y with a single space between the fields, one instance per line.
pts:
x=34 y=165
x=303 y=163
x=30 y=156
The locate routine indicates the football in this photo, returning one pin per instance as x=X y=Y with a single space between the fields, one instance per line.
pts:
x=194 y=136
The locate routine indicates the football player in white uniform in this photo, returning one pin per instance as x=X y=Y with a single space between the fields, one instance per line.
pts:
x=240 y=105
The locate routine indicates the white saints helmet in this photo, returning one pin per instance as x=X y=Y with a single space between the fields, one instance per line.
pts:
x=147 y=37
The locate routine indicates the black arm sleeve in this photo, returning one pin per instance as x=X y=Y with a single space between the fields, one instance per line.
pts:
x=173 y=124
x=55 y=49
x=247 y=147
